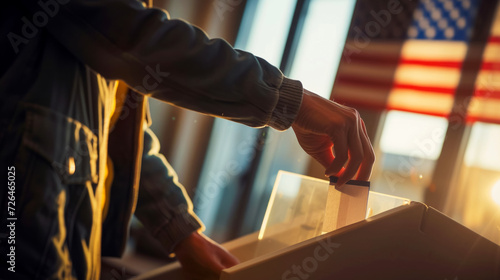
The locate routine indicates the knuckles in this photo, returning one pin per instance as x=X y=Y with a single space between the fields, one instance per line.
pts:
x=352 y=117
x=370 y=157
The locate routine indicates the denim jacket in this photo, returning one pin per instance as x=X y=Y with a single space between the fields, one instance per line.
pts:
x=60 y=59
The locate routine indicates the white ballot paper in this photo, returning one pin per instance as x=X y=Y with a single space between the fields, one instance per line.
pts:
x=345 y=205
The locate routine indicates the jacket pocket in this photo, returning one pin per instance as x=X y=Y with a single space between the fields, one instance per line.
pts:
x=68 y=145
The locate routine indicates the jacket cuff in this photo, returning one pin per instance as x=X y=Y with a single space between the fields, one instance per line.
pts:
x=287 y=108
x=177 y=229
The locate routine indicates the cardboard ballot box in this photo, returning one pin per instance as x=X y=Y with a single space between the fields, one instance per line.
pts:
x=399 y=239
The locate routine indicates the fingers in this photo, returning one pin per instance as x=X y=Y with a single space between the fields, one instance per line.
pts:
x=340 y=148
x=365 y=169
x=228 y=260
x=335 y=136
x=323 y=152
x=354 y=151
x=325 y=158
x=317 y=146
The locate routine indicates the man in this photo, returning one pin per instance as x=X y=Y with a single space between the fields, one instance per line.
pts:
x=83 y=156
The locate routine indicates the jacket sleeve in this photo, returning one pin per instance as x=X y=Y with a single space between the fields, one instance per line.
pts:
x=172 y=60
x=163 y=206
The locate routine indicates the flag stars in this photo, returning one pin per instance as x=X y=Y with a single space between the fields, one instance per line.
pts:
x=442 y=20
x=430 y=33
x=449 y=33
x=424 y=23
x=412 y=32
x=442 y=23
x=429 y=5
x=461 y=23
x=448 y=5
x=436 y=14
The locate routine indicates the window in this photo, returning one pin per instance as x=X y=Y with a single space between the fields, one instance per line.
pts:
x=409 y=109
x=313 y=32
x=475 y=201
x=266 y=28
x=432 y=69
x=407 y=152
x=232 y=147
x=321 y=44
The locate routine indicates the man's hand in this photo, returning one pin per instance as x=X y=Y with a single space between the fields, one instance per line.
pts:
x=202 y=258
x=335 y=135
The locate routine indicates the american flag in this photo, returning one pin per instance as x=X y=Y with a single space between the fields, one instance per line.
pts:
x=411 y=60
x=485 y=105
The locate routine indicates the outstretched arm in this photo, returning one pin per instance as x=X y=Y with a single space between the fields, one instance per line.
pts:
x=176 y=62
x=172 y=60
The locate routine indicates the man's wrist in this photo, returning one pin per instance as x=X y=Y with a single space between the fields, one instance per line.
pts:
x=287 y=108
x=176 y=230
x=179 y=247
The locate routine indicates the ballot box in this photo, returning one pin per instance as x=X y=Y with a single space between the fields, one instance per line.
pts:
x=398 y=239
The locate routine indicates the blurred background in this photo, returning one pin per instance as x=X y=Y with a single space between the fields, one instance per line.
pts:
x=423 y=74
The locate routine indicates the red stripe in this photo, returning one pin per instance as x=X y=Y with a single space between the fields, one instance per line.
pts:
x=388 y=85
x=360 y=104
x=364 y=81
x=473 y=119
x=424 y=112
x=494 y=40
x=445 y=64
x=381 y=107
x=442 y=90
x=392 y=61
x=490 y=65
x=374 y=60
x=487 y=93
